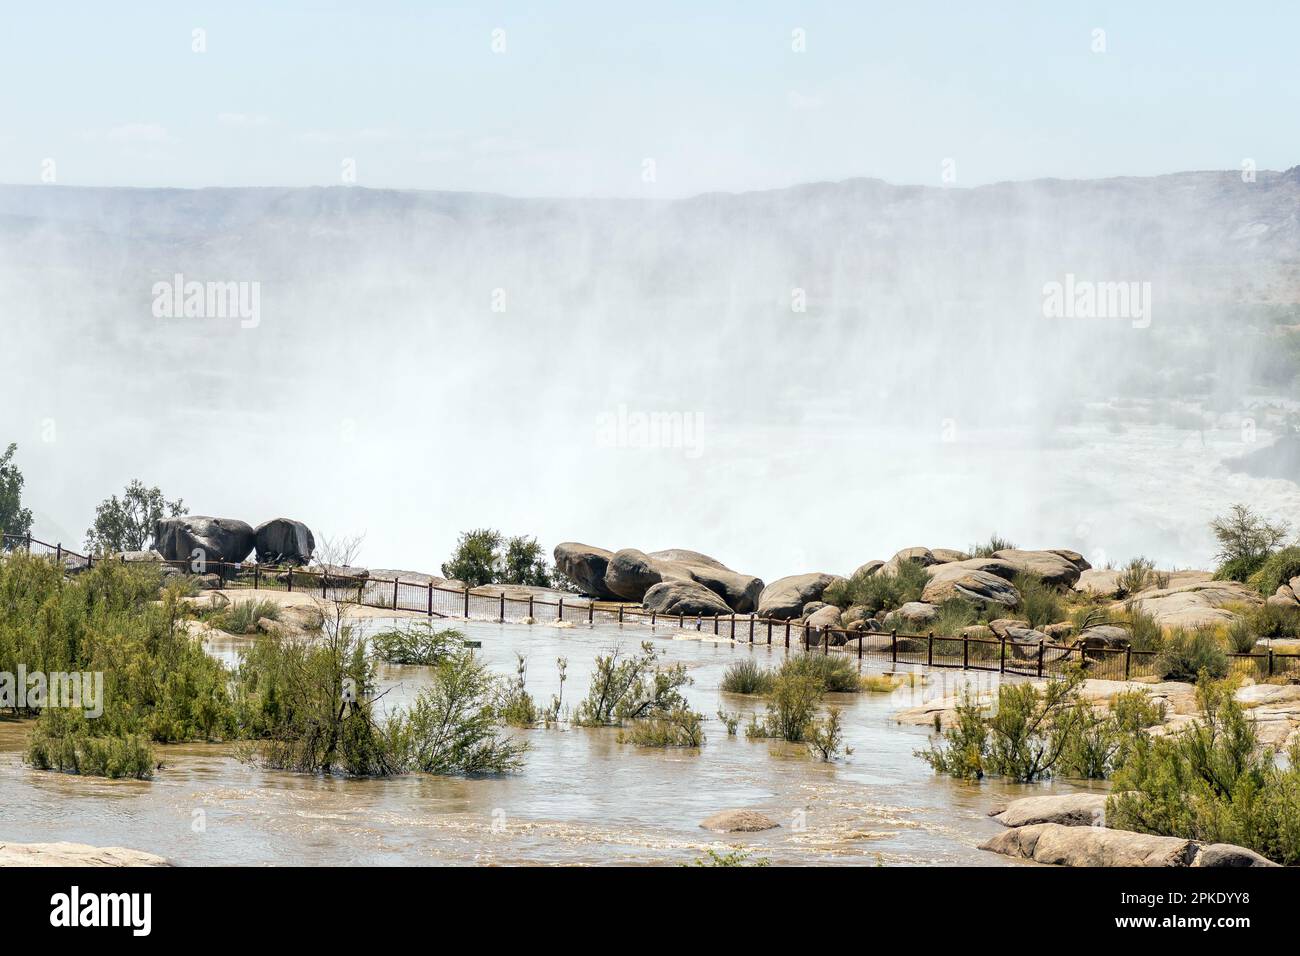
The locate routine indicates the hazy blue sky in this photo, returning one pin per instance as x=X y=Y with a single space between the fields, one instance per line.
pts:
x=584 y=93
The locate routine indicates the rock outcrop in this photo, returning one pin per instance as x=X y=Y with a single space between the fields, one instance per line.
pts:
x=585 y=566
x=214 y=539
x=1057 y=568
x=784 y=598
x=1055 y=843
x=967 y=581
x=739 y=821
x=1068 y=809
x=1195 y=605
x=284 y=541
x=74 y=854
x=684 y=597
x=630 y=574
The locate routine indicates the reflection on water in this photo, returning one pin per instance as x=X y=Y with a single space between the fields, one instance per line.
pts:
x=582 y=798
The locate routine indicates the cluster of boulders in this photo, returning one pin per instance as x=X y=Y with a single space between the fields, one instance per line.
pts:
x=675 y=581
x=1287 y=595
x=1069 y=830
x=228 y=540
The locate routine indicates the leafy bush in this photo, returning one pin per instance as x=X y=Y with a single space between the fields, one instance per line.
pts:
x=486 y=556
x=416 y=643
x=1138 y=575
x=241 y=617
x=1038 y=732
x=836 y=673
x=954 y=616
x=627 y=688
x=516 y=707
x=1241 y=635
x=1246 y=540
x=791 y=705
x=679 y=727
x=1184 y=655
x=128 y=523
x=1040 y=604
x=990 y=547
x=1213 y=782
x=1270 y=621
x=735 y=857
x=826 y=736
x=452 y=726
x=62 y=741
x=879 y=591
x=745 y=676
x=1278 y=569
x=14 y=518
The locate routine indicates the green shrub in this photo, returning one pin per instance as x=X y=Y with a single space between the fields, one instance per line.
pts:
x=1276 y=570
x=1270 y=621
x=1246 y=540
x=836 y=673
x=680 y=727
x=1213 y=782
x=990 y=547
x=241 y=617
x=631 y=687
x=879 y=591
x=735 y=857
x=62 y=741
x=745 y=676
x=1186 y=654
x=416 y=643
x=516 y=707
x=791 y=705
x=1241 y=635
x=452 y=726
x=826 y=736
x=1040 y=604
x=1138 y=575
x=1096 y=744
x=955 y=615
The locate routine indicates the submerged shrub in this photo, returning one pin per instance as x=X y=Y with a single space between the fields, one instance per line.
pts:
x=680 y=727
x=836 y=673
x=516 y=707
x=826 y=736
x=452 y=726
x=746 y=676
x=63 y=741
x=629 y=687
x=1213 y=782
x=416 y=643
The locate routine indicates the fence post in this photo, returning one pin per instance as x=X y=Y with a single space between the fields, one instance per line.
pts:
x=1270 y=660
x=826 y=640
x=681 y=620
x=965 y=652
x=787 y=633
x=859 y=645
x=929 y=650
x=324 y=584
x=715 y=625
x=733 y=626
x=58 y=553
x=620 y=614
x=591 y=611
x=893 y=645
x=1040 y=658
x=652 y=619
x=1002 y=655
x=530 y=609
x=257 y=576
x=29 y=542
x=769 y=632
x=503 y=607
x=751 y=628
x=467 y=604
x=394 y=594
x=290 y=574
x=431 y=599
x=1128 y=661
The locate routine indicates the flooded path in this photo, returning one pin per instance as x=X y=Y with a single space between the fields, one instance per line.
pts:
x=582 y=797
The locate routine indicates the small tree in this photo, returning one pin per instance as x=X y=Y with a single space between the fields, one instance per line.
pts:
x=475 y=560
x=1246 y=540
x=14 y=518
x=128 y=523
x=525 y=563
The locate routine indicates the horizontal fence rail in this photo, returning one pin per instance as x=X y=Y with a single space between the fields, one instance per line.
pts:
x=492 y=603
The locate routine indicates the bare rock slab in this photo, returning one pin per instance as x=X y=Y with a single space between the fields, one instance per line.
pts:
x=739 y=821
x=1067 y=809
x=74 y=854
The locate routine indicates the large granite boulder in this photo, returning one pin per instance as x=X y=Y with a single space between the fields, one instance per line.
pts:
x=1053 y=567
x=918 y=555
x=1067 y=809
x=959 y=581
x=284 y=541
x=912 y=616
x=1195 y=605
x=1056 y=843
x=948 y=555
x=868 y=569
x=785 y=598
x=585 y=566
x=684 y=597
x=630 y=574
x=215 y=539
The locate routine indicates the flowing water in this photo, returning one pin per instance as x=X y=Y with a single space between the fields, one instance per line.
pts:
x=581 y=798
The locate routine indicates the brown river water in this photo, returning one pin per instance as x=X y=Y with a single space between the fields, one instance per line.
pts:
x=581 y=798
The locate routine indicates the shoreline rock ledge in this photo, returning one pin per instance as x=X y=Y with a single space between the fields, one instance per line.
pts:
x=74 y=854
